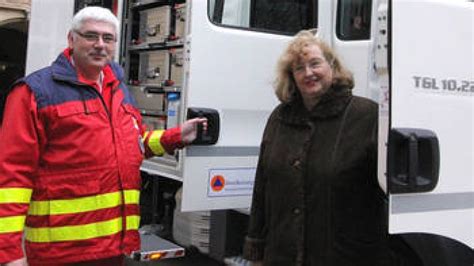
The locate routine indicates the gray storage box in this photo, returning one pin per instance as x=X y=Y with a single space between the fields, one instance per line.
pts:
x=154 y=122
x=180 y=21
x=177 y=63
x=191 y=228
x=148 y=100
x=155 y=24
x=154 y=67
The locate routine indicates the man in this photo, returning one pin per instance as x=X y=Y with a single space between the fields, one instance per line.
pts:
x=72 y=144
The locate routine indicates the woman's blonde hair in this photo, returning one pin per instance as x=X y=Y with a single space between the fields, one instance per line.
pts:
x=285 y=86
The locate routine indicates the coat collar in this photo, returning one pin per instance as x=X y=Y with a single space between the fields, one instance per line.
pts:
x=332 y=104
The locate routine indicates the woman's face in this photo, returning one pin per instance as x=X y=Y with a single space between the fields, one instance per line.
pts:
x=312 y=73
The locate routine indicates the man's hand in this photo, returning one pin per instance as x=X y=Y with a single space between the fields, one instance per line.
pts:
x=20 y=262
x=189 y=129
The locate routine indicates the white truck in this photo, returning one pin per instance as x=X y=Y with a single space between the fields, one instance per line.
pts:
x=217 y=58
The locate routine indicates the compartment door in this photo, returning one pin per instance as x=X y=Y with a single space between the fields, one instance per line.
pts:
x=431 y=146
x=48 y=28
x=229 y=70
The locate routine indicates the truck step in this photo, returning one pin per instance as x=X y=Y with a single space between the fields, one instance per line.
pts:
x=154 y=247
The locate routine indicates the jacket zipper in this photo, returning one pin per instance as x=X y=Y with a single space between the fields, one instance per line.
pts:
x=114 y=89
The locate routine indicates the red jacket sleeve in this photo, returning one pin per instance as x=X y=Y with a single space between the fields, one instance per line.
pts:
x=171 y=140
x=19 y=154
x=159 y=141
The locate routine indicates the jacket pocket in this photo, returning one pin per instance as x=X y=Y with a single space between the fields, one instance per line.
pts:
x=78 y=134
x=70 y=185
x=76 y=108
x=75 y=117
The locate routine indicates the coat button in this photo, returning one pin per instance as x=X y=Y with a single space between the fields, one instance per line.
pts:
x=296 y=211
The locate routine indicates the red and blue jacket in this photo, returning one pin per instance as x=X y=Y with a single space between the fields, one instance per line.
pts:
x=69 y=166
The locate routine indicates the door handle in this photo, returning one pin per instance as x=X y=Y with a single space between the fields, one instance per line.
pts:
x=211 y=136
x=413 y=160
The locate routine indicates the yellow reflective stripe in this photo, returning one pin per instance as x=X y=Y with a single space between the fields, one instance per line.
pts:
x=85 y=204
x=132 y=196
x=79 y=232
x=73 y=232
x=133 y=222
x=52 y=207
x=12 y=224
x=154 y=142
x=15 y=195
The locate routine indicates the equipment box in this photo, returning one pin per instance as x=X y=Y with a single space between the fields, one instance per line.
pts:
x=154 y=122
x=154 y=67
x=180 y=21
x=148 y=98
x=177 y=62
x=155 y=24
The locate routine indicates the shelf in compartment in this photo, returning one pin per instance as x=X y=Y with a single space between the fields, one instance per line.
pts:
x=156 y=46
x=145 y=4
x=156 y=88
x=152 y=112
x=165 y=166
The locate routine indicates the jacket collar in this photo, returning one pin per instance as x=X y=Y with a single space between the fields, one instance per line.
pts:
x=62 y=69
x=331 y=104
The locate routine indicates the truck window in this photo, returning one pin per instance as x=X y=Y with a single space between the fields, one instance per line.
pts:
x=353 y=19
x=275 y=16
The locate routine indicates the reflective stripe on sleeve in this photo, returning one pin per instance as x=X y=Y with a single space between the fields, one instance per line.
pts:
x=12 y=224
x=85 y=204
x=15 y=195
x=154 y=142
x=80 y=232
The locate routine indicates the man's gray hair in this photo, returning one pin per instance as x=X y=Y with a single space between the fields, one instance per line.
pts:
x=94 y=13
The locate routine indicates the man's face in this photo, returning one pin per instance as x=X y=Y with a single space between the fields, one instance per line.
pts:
x=93 y=45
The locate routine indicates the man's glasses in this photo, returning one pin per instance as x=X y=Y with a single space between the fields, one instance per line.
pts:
x=94 y=37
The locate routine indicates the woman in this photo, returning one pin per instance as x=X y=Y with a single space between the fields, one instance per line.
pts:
x=316 y=198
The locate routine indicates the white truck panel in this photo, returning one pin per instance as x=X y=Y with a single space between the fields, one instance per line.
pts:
x=47 y=34
x=198 y=173
x=433 y=88
x=229 y=70
x=455 y=222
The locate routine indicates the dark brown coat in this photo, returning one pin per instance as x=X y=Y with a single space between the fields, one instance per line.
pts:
x=316 y=198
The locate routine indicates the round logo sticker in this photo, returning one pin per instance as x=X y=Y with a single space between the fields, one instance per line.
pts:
x=217 y=183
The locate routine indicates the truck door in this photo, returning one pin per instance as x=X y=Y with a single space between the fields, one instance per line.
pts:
x=47 y=32
x=232 y=48
x=431 y=120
